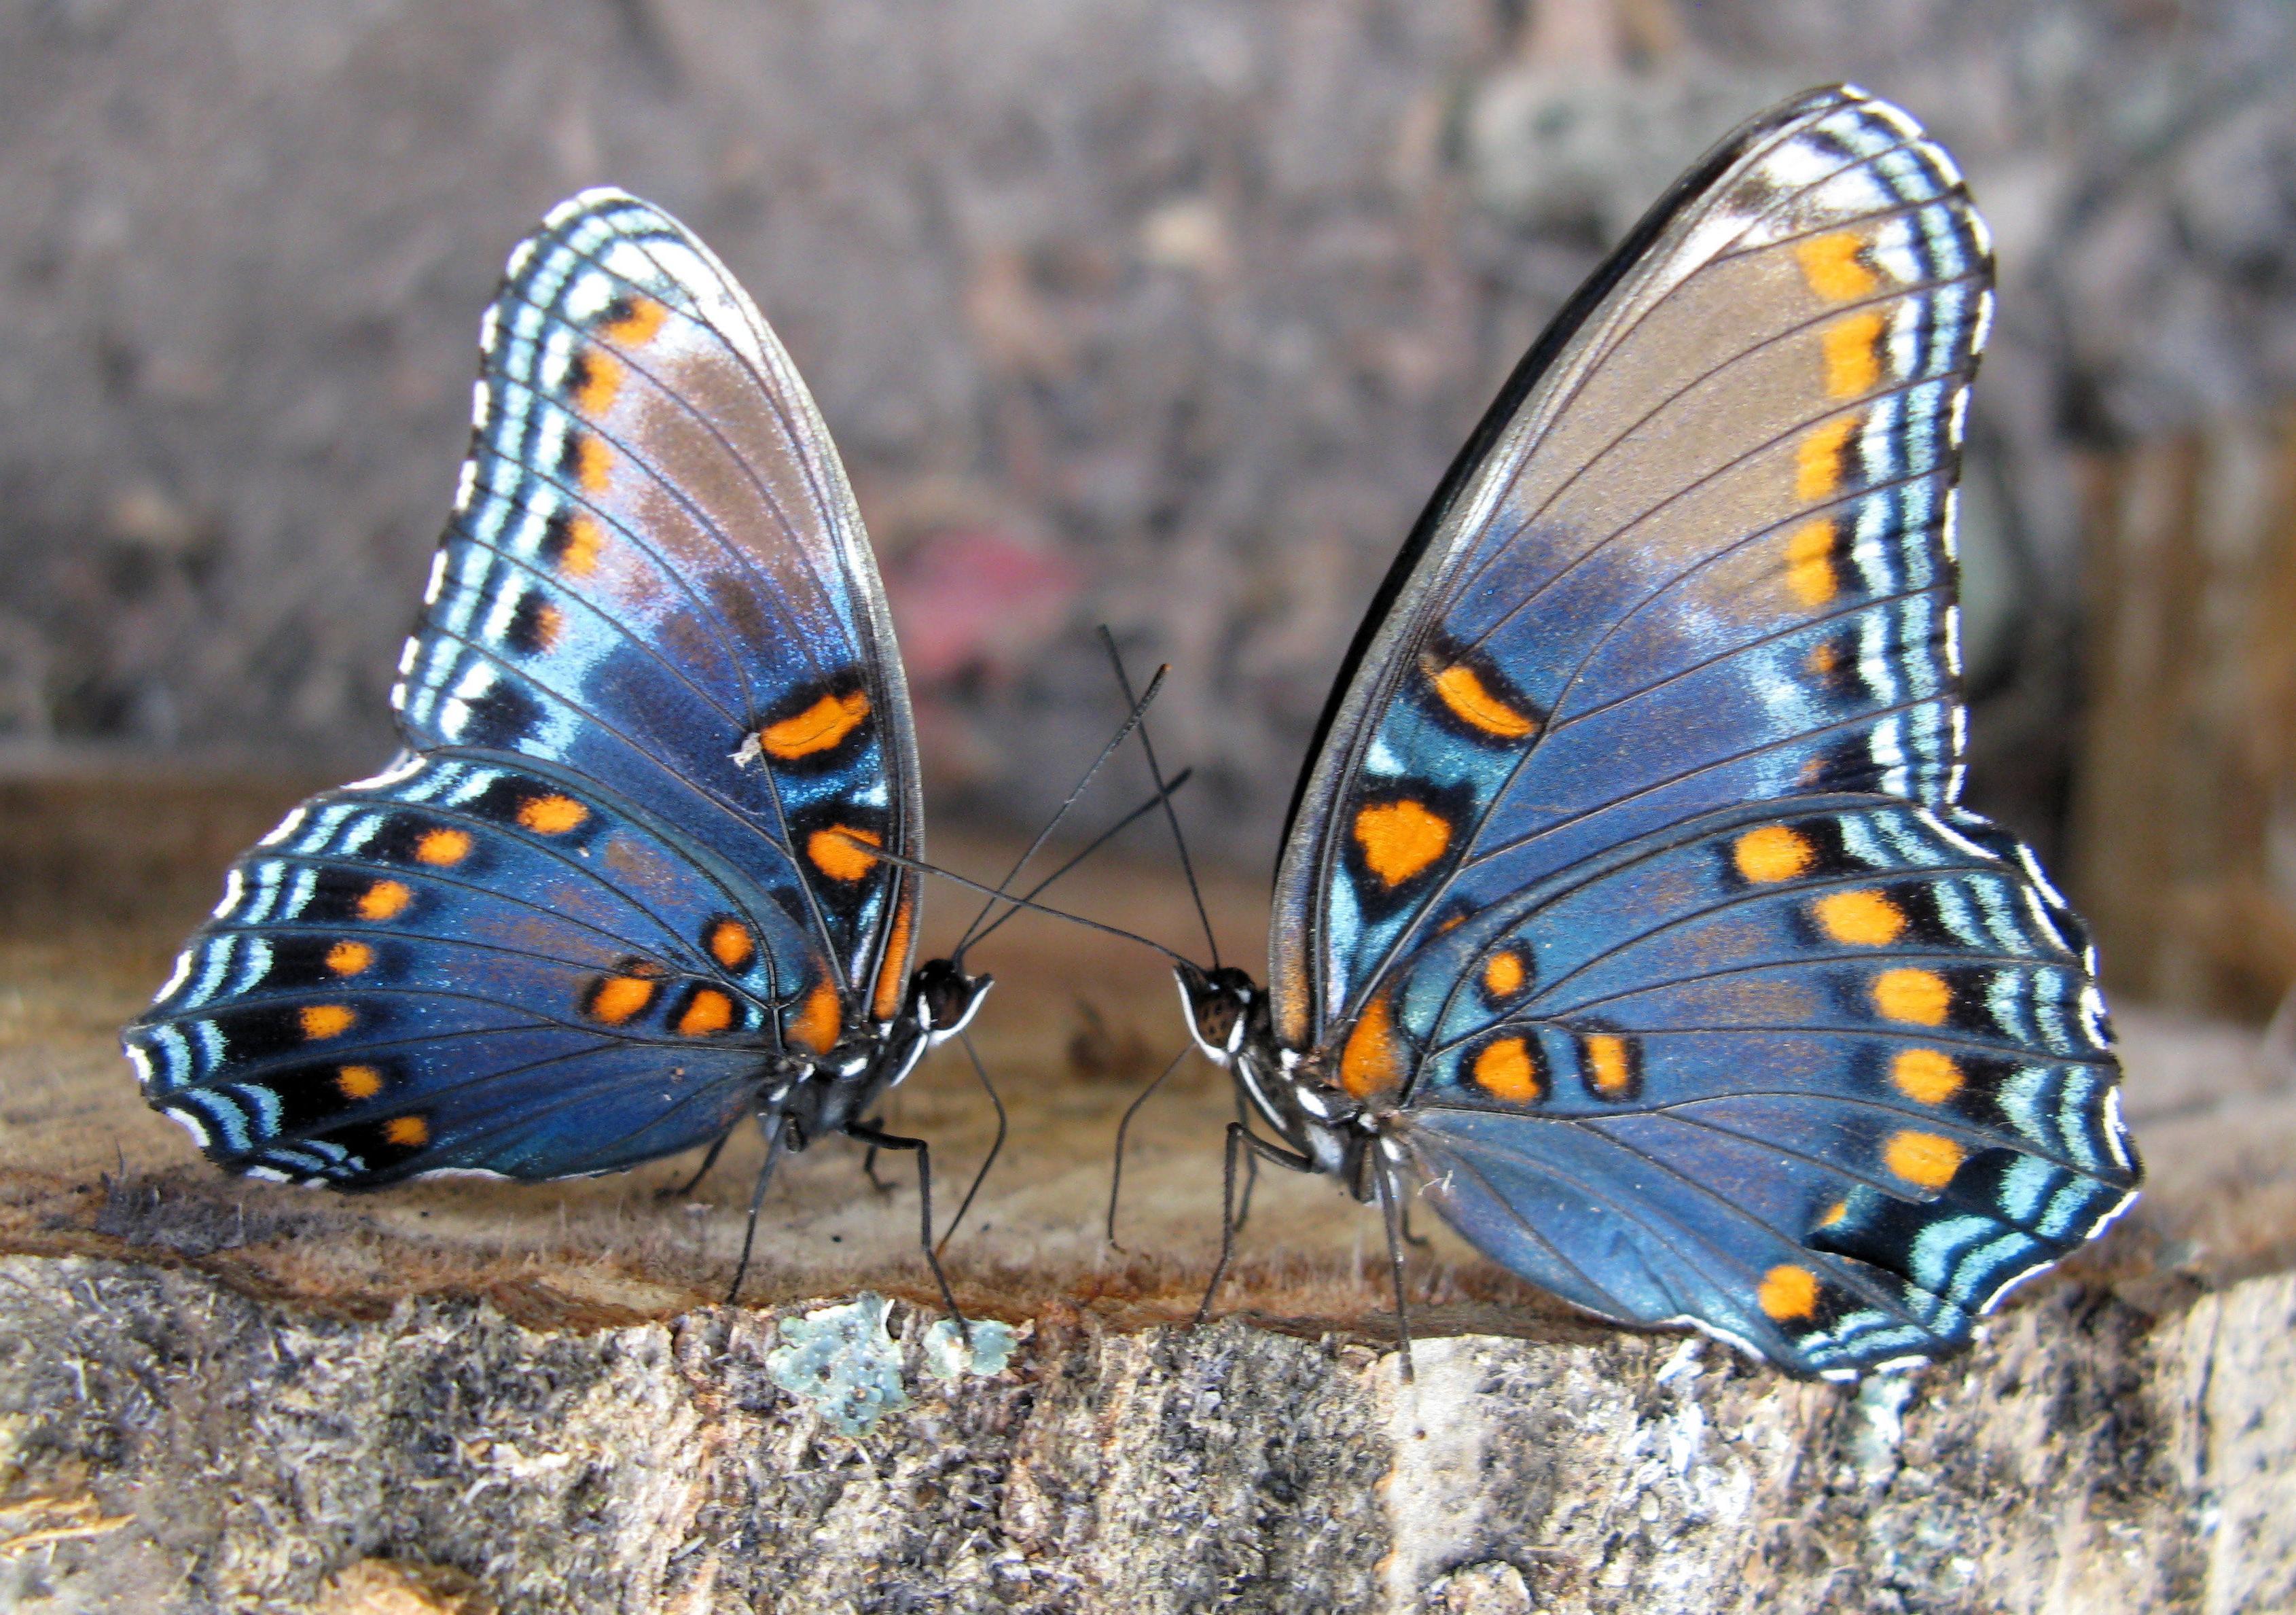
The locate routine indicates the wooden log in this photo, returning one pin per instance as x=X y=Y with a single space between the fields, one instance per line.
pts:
x=464 y=1397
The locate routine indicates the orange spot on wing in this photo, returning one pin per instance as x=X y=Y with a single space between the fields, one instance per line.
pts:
x=1853 y=354
x=593 y=464
x=1400 y=838
x=732 y=944
x=1926 y=1159
x=1817 y=461
x=1809 y=563
x=552 y=814
x=384 y=900
x=1862 y=919
x=1787 y=1292
x=1372 y=1059
x=408 y=1132
x=1507 y=1069
x=350 y=958
x=1462 y=691
x=1925 y=1076
x=1831 y=265
x=1920 y=996
x=836 y=851
x=443 y=847
x=1773 y=853
x=602 y=379
x=579 y=556
x=1504 y=974
x=1823 y=657
x=358 y=1081
x=820 y=727
x=1609 y=1066
x=549 y=624
x=893 y=972
x=1835 y=1213
x=817 y=1022
x=638 y=325
x=619 y=999
x=710 y=1011
x=320 y=1022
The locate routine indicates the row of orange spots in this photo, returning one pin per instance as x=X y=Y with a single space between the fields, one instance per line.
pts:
x=602 y=379
x=1853 y=354
x=1809 y=563
x=637 y=326
x=1834 y=266
x=1504 y=974
x=619 y=1000
x=593 y=464
x=1400 y=838
x=817 y=1022
x=1608 y=1068
x=1817 y=461
x=357 y=1082
x=1920 y=998
x=1462 y=689
x=1926 y=1159
x=819 y=727
x=442 y=848
x=386 y=899
x=1371 y=1060
x=1508 y=1070
x=552 y=814
x=893 y=971
x=731 y=943
x=838 y=851
x=1862 y=918
x=1925 y=1076
x=1787 y=1292
x=408 y=1132
x=578 y=556
x=320 y=1022
x=350 y=958
x=710 y=1012
x=1772 y=853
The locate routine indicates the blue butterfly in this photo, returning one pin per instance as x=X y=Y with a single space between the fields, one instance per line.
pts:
x=1626 y=905
x=647 y=865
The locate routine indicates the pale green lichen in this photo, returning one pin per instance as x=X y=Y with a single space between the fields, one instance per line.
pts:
x=842 y=1361
x=948 y=1357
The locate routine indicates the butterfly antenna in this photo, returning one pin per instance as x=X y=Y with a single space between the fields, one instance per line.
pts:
x=1187 y=866
x=994 y=1149
x=1115 y=1175
x=1131 y=720
x=1002 y=896
x=1098 y=842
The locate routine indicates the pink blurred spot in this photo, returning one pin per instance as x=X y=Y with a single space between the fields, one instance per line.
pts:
x=977 y=600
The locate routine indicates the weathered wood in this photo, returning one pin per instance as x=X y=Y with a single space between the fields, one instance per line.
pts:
x=218 y=1393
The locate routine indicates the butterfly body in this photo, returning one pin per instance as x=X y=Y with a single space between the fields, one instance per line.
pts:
x=1626 y=908
x=645 y=868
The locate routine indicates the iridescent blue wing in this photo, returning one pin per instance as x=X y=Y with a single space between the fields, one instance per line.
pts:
x=655 y=577
x=464 y=965
x=1698 y=552
x=1824 y=1077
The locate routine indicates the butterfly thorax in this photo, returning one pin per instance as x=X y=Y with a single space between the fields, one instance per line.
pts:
x=1293 y=1093
x=829 y=1094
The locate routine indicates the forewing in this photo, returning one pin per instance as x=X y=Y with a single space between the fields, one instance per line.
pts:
x=471 y=965
x=655 y=577
x=1699 y=553
x=1822 y=1077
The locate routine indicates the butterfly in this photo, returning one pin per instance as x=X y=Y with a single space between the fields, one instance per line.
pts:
x=648 y=864
x=1626 y=907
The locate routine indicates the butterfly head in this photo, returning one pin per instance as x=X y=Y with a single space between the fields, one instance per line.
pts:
x=1220 y=1005
x=943 y=999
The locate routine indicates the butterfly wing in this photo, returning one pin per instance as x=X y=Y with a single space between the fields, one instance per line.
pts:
x=1628 y=867
x=1699 y=551
x=473 y=965
x=655 y=576
x=657 y=725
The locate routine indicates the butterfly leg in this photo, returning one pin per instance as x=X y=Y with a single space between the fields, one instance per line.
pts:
x=869 y=1163
x=994 y=1149
x=1392 y=1213
x=875 y=1140
x=684 y=1190
x=1116 y=1174
x=1240 y=1139
x=772 y=1126
x=1250 y=1170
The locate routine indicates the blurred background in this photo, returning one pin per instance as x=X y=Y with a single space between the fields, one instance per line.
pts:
x=1162 y=315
